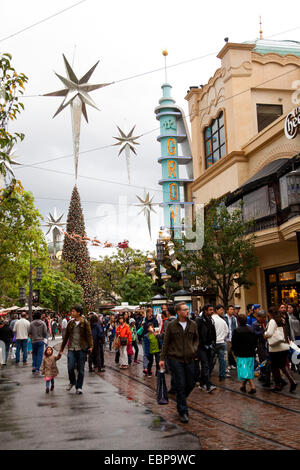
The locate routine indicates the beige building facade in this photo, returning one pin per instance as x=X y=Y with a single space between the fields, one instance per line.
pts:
x=238 y=139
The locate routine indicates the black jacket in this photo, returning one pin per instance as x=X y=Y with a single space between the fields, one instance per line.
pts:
x=244 y=341
x=6 y=334
x=206 y=331
x=180 y=344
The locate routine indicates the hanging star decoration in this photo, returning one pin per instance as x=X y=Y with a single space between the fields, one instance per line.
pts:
x=76 y=94
x=55 y=226
x=6 y=160
x=147 y=207
x=127 y=143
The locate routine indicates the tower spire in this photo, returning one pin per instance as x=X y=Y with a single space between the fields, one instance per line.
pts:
x=260 y=30
x=165 y=53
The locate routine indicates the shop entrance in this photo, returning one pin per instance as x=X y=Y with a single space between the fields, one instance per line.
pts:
x=281 y=285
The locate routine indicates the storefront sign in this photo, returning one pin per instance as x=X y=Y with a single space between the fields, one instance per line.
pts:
x=292 y=123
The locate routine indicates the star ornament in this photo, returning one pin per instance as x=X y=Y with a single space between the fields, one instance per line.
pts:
x=76 y=94
x=6 y=161
x=54 y=223
x=75 y=88
x=147 y=208
x=127 y=143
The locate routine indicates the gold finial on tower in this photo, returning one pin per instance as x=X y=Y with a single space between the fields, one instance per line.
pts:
x=260 y=31
x=165 y=54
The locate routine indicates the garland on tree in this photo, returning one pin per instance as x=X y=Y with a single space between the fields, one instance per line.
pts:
x=76 y=252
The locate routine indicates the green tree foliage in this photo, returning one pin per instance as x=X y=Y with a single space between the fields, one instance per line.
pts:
x=136 y=288
x=20 y=232
x=227 y=256
x=110 y=272
x=76 y=252
x=11 y=87
x=58 y=292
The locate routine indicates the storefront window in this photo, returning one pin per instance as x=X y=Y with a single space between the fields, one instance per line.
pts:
x=214 y=141
x=288 y=276
x=281 y=286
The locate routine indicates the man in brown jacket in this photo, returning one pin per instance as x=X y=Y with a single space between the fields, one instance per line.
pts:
x=78 y=335
x=179 y=348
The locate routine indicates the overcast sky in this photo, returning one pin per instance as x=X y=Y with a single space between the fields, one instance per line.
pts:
x=128 y=39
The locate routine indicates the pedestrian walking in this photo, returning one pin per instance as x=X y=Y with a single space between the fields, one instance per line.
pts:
x=294 y=321
x=152 y=337
x=133 y=340
x=278 y=349
x=80 y=341
x=206 y=348
x=232 y=324
x=6 y=335
x=49 y=368
x=171 y=315
x=149 y=319
x=64 y=325
x=179 y=348
x=95 y=358
x=259 y=328
x=54 y=328
x=38 y=334
x=124 y=339
x=21 y=328
x=222 y=331
x=244 y=346
x=111 y=331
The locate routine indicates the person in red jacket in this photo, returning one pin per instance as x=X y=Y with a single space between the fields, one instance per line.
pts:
x=124 y=336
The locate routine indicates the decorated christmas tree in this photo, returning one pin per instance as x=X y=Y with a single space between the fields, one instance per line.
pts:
x=75 y=250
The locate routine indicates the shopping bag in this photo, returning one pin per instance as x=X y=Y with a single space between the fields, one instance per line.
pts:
x=129 y=350
x=162 y=392
x=115 y=344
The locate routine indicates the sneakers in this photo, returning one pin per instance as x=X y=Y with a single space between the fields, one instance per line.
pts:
x=293 y=387
x=69 y=387
x=184 y=418
x=211 y=388
x=203 y=388
x=78 y=391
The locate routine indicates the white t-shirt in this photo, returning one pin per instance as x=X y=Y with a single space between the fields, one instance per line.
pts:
x=221 y=328
x=21 y=327
x=64 y=323
x=183 y=324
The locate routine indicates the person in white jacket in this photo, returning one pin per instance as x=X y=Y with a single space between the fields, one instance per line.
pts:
x=222 y=331
x=278 y=350
x=21 y=328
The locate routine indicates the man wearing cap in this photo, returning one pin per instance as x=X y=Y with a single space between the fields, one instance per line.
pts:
x=252 y=316
x=237 y=309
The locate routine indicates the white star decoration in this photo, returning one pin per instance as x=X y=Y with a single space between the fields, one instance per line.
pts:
x=7 y=160
x=55 y=226
x=76 y=94
x=127 y=143
x=147 y=207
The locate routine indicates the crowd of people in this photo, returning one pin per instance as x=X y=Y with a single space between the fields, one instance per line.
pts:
x=187 y=346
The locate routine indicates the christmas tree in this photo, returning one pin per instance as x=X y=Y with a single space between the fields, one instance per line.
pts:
x=76 y=252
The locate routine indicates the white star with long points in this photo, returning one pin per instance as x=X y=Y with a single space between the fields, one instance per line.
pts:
x=147 y=207
x=127 y=143
x=76 y=94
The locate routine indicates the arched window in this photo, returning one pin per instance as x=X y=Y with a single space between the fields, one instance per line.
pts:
x=214 y=141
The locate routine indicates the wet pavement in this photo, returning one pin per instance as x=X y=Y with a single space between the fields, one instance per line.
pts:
x=101 y=418
x=118 y=411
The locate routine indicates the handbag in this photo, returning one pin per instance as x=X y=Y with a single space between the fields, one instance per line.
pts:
x=123 y=341
x=115 y=344
x=162 y=391
x=277 y=337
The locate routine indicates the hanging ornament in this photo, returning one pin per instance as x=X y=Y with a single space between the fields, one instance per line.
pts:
x=164 y=234
x=127 y=143
x=76 y=94
x=163 y=274
x=171 y=252
x=6 y=160
x=147 y=207
x=55 y=226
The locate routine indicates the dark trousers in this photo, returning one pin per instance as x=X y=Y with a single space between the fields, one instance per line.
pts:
x=279 y=363
x=76 y=360
x=206 y=357
x=136 y=349
x=151 y=357
x=184 y=375
x=173 y=384
x=94 y=358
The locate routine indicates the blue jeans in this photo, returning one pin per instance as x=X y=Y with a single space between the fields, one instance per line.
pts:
x=76 y=359
x=37 y=354
x=220 y=352
x=21 y=344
